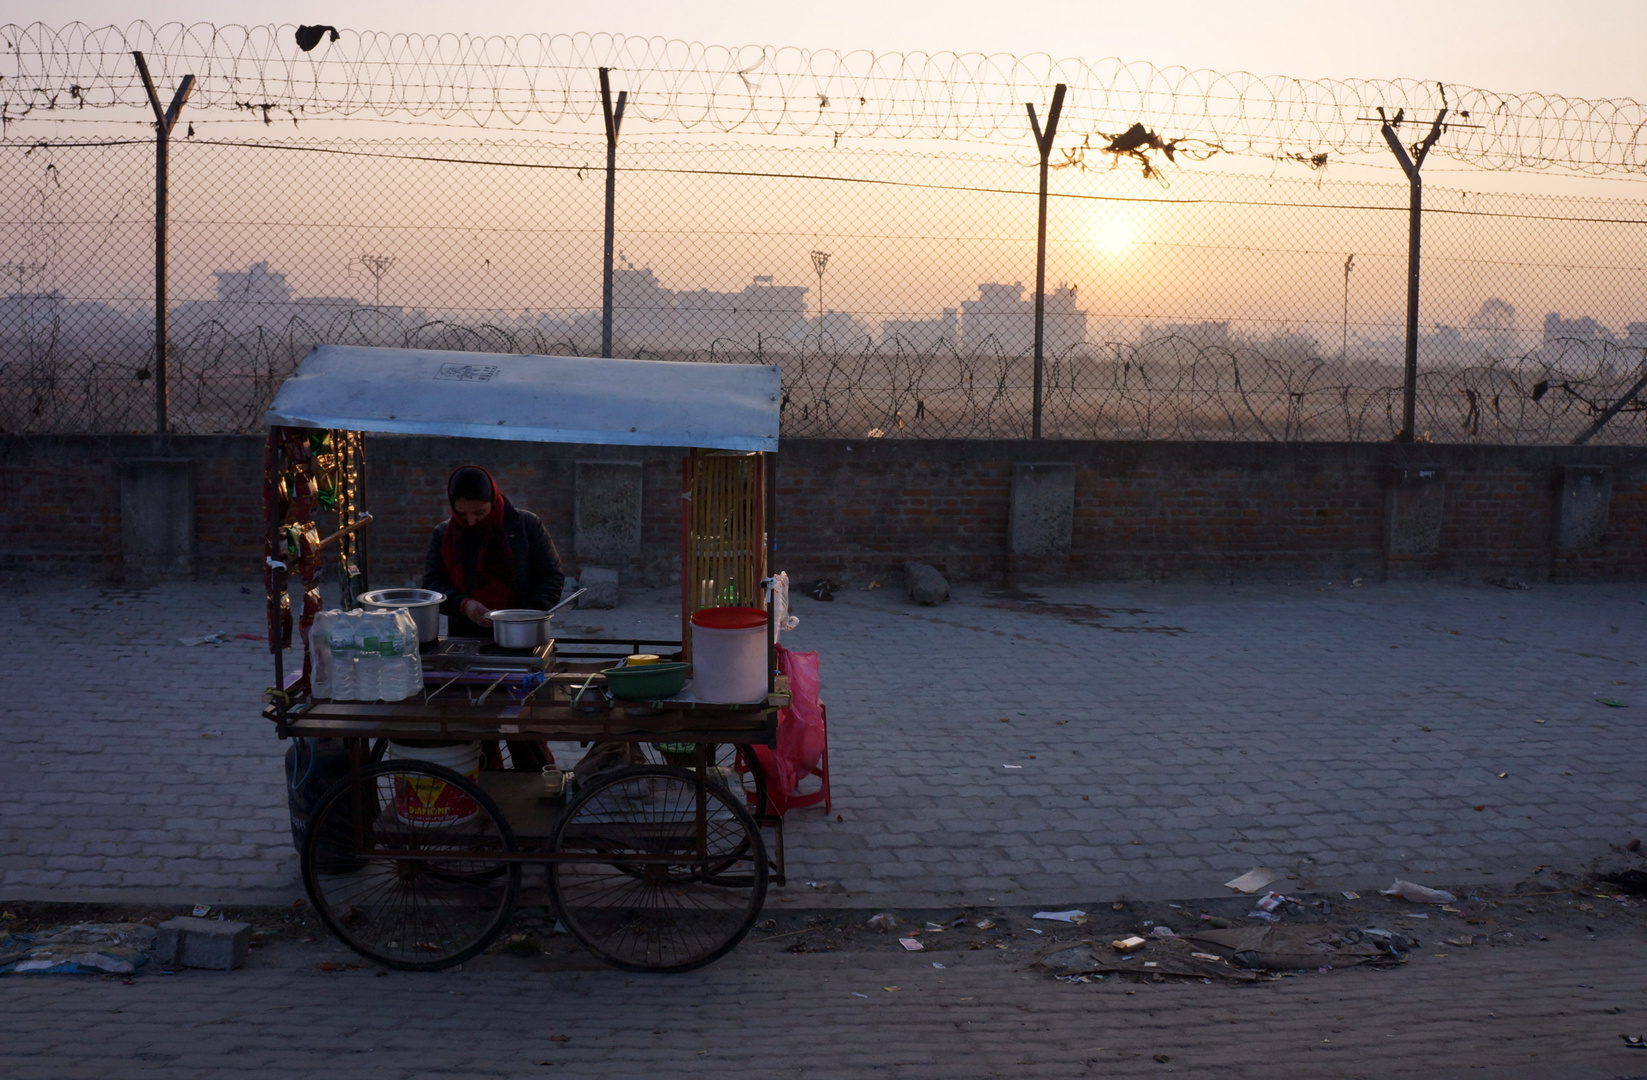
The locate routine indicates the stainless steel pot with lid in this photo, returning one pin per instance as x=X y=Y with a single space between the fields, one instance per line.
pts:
x=422 y=604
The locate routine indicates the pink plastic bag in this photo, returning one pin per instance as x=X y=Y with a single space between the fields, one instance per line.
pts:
x=801 y=735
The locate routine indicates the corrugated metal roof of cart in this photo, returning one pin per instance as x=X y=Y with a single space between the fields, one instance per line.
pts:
x=566 y=399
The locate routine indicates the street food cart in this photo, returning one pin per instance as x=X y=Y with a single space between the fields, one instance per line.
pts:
x=660 y=866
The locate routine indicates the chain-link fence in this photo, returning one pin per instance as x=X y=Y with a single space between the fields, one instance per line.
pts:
x=895 y=288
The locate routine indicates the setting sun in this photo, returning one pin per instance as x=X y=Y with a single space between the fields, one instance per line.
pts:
x=1114 y=234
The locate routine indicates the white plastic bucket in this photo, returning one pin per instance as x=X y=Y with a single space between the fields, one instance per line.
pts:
x=429 y=803
x=729 y=655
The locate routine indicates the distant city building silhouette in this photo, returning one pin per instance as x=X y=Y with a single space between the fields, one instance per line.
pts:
x=1003 y=314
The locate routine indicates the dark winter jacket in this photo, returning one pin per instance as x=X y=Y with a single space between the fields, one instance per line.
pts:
x=538 y=578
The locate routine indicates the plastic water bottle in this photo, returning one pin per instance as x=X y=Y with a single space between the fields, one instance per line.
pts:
x=390 y=671
x=320 y=646
x=340 y=644
x=368 y=660
x=411 y=663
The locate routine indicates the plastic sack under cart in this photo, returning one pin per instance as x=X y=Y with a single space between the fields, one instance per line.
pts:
x=800 y=730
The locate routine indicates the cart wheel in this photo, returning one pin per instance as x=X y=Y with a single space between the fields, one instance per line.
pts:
x=677 y=913
x=399 y=883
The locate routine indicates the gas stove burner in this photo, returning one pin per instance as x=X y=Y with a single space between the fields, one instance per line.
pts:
x=483 y=654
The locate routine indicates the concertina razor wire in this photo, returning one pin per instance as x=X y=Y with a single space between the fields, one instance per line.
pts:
x=550 y=80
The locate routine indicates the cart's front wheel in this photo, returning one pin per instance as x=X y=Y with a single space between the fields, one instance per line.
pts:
x=655 y=871
x=401 y=863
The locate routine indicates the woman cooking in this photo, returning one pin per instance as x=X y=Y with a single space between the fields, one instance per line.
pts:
x=489 y=555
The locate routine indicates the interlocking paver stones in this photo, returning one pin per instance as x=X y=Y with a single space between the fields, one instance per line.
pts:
x=1208 y=727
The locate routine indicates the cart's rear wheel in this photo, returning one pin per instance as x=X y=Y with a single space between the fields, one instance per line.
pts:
x=631 y=882
x=402 y=865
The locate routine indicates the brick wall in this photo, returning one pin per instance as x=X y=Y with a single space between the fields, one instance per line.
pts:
x=855 y=510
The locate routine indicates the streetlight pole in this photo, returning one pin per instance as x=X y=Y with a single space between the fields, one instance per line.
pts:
x=377 y=266
x=820 y=259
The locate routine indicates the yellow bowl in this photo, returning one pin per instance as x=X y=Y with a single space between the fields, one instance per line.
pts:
x=642 y=659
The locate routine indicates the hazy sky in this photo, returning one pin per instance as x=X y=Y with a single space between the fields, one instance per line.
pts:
x=1507 y=45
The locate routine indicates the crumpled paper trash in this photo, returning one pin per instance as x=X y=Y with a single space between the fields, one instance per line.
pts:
x=1418 y=894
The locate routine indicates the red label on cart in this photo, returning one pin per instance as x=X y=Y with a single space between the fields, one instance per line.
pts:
x=425 y=800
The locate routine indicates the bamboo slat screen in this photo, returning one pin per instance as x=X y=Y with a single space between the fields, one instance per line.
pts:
x=723 y=541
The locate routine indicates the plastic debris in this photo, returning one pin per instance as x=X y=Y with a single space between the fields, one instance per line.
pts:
x=214 y=638
x=1270 y=901
x=1073 y=915
x=1418 y=894
x=856 y=994
x=84 y=948
x=937 y=965
x=911 y=944
x=1162 y=932
x=200 y=911
x=1612 y=703
x=985 y=924
x=1253 y=880
x=882 y=922
x=1349 y=895
x=1267 y=916
x=933 y=928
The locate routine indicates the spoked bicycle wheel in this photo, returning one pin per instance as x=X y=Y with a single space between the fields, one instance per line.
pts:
x=402 y=866
x=656 y=872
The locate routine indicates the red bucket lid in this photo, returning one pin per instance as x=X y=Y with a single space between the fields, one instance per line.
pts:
x=729 y=618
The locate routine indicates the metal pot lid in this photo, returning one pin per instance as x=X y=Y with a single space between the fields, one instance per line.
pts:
x=517 y=615
x=403 y=597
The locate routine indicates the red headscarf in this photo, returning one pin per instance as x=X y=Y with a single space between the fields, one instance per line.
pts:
x=494 y=583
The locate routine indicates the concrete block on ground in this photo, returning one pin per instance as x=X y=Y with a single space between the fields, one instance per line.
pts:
x=606 y=512
x=925 y=584
x=202 y=943
x=1412 y=514
x=157 y=519
x=1042 y=516
x=1586 y=493
x=602 y=584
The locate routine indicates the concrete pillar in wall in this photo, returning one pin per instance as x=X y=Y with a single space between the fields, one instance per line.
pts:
x=1581 y=514
x=1412 y=519
x=157 y=519
x=606 y=513
x=1041 y=522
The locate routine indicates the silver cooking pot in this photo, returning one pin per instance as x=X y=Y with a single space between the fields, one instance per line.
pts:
x=519 y=628
x=525 y=628
x=423 y=605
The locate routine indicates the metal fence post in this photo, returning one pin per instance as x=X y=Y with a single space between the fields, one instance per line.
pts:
x=1415 y=219
x=164 y=121
x=1043 y=142
x=614 y=120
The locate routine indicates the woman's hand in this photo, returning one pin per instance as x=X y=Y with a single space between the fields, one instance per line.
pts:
x=475 y=612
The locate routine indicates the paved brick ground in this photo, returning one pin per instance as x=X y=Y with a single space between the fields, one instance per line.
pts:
x=1164 y=738
x=1544 y=1012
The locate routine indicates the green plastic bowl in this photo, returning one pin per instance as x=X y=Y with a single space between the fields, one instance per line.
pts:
x=648 y=682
